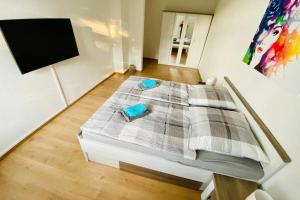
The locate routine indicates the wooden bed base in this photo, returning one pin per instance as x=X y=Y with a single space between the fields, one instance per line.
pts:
x=195 y=185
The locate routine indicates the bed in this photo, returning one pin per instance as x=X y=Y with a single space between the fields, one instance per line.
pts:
x=164 y=132
x=166 y=151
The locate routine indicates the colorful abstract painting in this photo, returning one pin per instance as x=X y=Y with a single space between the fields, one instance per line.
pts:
x=275 y=48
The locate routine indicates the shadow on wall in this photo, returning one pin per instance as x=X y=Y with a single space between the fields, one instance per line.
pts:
x=103 y=35
x=107 y=37
x=112 y=29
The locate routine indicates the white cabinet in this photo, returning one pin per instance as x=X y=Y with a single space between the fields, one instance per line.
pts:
x=183 y=38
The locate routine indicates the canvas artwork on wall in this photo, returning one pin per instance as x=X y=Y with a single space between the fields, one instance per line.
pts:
x=275 y=48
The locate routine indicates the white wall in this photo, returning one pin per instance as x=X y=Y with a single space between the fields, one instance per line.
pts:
x=133 y=15
x=26 y=101
x=232 y=30
x=153 y=19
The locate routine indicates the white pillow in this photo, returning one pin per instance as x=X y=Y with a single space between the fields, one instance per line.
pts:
x=210 y=96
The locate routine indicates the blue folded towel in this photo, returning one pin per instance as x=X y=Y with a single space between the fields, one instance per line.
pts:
x=149 y=83
x=136 y=110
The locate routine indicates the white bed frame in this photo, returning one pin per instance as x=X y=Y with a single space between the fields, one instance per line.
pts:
x=111 y=155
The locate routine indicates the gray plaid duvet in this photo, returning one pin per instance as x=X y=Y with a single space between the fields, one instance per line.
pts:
x=166 y=128
x=167 y=91
x=225 y=132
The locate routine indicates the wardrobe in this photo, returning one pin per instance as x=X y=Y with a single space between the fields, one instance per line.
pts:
x=183 y=37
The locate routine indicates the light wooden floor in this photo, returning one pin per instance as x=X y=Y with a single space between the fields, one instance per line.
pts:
x=50 y=164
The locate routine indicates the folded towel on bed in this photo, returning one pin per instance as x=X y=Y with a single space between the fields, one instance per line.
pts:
x=148 y=84
x=135 y=111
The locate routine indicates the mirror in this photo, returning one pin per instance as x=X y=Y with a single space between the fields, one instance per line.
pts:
x=182 y=37
x=174 y=54
x=191 y=20
x=177 y=34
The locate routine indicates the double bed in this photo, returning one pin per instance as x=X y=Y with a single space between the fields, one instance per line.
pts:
x=160 y=140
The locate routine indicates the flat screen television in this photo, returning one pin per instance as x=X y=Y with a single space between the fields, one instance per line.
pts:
x=36 y=43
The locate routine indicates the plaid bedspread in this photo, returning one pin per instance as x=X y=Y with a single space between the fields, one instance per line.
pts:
x=223 y=131
x=166 y=128
x=167 y=91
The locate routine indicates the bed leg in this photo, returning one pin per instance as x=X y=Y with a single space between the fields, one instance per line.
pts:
x=85 y=154
x=208 y=190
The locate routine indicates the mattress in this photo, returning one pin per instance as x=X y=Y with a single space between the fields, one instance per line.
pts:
x=217 y=163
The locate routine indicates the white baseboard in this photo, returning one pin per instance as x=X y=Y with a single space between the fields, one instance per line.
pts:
x=5 y=151
x=2 y=153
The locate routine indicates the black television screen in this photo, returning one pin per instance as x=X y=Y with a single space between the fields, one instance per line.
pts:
x=36 y=43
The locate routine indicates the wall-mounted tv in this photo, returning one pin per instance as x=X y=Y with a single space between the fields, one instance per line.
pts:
x=36 y=43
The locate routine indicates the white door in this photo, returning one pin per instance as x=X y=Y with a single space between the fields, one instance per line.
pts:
x=200 y=33
x=166 y=37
